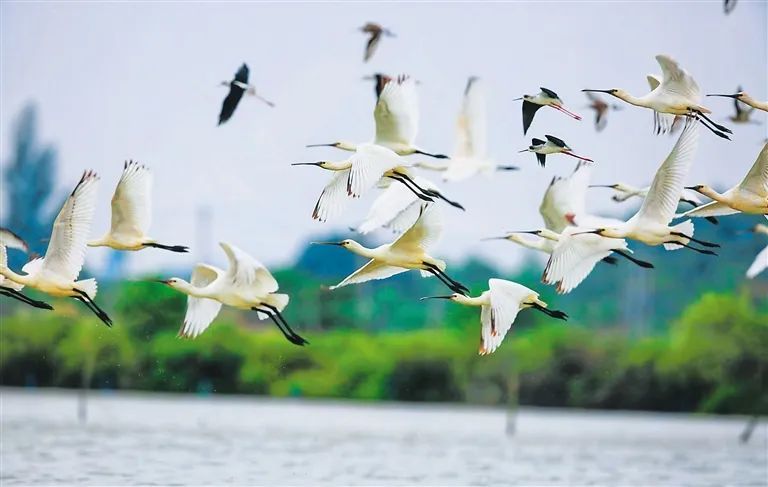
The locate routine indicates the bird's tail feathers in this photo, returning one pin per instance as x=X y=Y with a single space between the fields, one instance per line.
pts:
x=686 y=228
x=88 y=286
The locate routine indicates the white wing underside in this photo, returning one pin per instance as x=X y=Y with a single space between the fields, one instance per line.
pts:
x=397 y=208
x=248 y=273
x=397 y=112
x=713 y=208
x=424 y=234
x=471 y=127
x=334 y=198
x=497 y=319
x=564 y=196
x=200 y=311
x=759 y=265
x=372 y=270
x=756 y=180
x=131 y=203
x=369 y=164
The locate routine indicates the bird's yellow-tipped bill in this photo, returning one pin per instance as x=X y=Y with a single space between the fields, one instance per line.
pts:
x=325 y=243
x=436 y=297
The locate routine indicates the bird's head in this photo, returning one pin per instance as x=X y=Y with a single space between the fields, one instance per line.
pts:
x=173 y=282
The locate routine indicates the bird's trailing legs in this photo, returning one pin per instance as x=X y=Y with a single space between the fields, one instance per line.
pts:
x=700 y=242
x=550 y=312
x=12 y=293
x=641 y=263
x=279 y=321
x=83 y=296
x=415 y=191
x=714 y=130
x=454 y=285
x=701 y=251
x=173 y=248
x=429 y=192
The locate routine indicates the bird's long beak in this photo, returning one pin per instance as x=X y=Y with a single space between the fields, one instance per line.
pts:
x=161 y=281
x=612 y=186
x=577 y=156
x=326 y=243
x=692 y=188
x=307 y=163
x=596 y=232
x=518 y=99
x=322 y=145
x=493 y=238
x=524 y=150
x=736 y=95
x=435 y=297
x=567 y=112
x=596 y=91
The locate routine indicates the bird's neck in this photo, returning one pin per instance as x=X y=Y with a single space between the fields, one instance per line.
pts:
x=550 y=235
x=99 y=242
x=711 y=193
x=760 y=105
x=632 y=100
x=358 y=249
x=337 y=166
x=470 y=301
x=6 y=272
x=189 y=289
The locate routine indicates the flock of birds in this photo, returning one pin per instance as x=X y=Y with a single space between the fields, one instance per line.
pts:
x=410 y=205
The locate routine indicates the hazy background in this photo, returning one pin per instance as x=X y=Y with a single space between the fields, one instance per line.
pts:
x=119 y=81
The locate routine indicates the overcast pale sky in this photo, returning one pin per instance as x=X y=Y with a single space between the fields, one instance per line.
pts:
x=115 y=81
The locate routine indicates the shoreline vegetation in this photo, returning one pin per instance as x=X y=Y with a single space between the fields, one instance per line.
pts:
x=711 y=358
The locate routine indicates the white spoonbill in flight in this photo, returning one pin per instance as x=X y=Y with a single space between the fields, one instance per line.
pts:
x=749 y=196
x=370 y=165
x=650 y=224
x=678 y=94
x=470 y=156
x=246 y=285
x=499 y=306
x=552 y=145
x=761 y=261
x=375 y=31
x=10 y=240
x=132 y=213
x=545 y=98
x=397 y=119
x=743 y=97
x=623 y=192
x=408 y=252
x=56 y=273
x=237 y=87
x=396 y=208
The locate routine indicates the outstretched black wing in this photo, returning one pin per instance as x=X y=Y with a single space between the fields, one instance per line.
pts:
x=555 y=140
x=529 y=110
x=236 y=91
x=549 y=92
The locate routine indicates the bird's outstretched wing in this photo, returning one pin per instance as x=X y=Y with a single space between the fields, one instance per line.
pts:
x=12 y=241
x=397 y=112
x=247 y=272
x=236 y=91
x=396 y=208
x=506 y=297
x=471 y=124
x=565 y=196
x=200 y=311
x=529 y=110
x=713 y=208
x=369 y=163
x=424 y=233
x=677 y=80
x=756 y=179
x=131 y=202
x=66 y=249
x=334 y=197
x=759 y=265
x=575 y=256
x=662 y=199
x=371 y=45
x=371 y=271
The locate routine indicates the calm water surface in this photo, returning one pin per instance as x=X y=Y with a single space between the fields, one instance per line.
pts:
x=177 y=439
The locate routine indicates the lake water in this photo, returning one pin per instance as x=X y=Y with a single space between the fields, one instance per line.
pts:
x=133 y=438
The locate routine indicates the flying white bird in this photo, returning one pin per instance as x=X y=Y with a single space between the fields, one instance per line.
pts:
x=578 y=250
x=552 y=145
x=10 y=240
x=743 y=97
x=499 y=306
x=408 y=252
x=56 y=273
x=238 y=87
x=246 y=285
x=749 y=196
x=397 y=119
x=132 y=213
x=761 y=261
x=470 y=156
x=545 y=98
x=650 y=224
x=678 y=94
x=677 y=121
x=396 y=208
x=623 y=192
x=369 y=166
x=376 y=32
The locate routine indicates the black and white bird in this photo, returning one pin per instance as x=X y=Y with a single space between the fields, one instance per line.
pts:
x=238 y=87
x=552 y=145
x=545 y=98
x=375 y=31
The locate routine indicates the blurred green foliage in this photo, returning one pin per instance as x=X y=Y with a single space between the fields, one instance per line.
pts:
x=712 y=357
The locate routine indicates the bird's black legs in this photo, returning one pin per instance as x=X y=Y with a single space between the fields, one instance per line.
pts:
x=701 y=251
x=452 y=284
x=281 y=324
x=550 y=312
x=414 y=190
x=700 y=242
x=12 y=293
x=711 y=129
x=436 y=156
x=611 y=260
x=83 y=297
x=173 y=248
x=641 y=263
x=716 y=125
x=430 y=192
